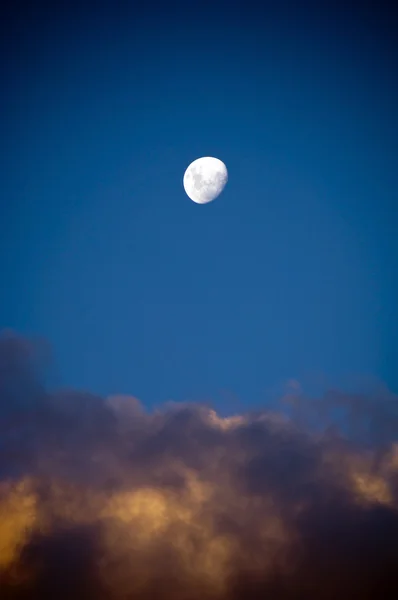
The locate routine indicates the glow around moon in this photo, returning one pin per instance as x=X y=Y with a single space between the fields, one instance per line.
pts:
x=205 y=179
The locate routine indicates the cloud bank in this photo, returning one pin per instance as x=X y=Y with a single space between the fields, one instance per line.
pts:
x=100 y=499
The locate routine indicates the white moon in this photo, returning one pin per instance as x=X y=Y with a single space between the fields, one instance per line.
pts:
x=205 y=179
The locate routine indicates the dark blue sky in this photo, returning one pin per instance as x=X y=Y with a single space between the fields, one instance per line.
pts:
x=291 y=273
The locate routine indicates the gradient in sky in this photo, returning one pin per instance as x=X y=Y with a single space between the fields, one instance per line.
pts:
x=284 y=288
x=290 y=274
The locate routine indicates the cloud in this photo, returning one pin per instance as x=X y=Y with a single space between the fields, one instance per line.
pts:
x=101 y=499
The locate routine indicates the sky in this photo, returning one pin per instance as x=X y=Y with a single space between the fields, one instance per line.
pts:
x=198 y=401
x=289 y=274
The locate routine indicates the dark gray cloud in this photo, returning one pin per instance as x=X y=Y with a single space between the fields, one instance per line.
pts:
x=100 y=499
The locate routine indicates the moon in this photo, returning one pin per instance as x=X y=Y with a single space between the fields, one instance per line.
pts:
x=205 y=179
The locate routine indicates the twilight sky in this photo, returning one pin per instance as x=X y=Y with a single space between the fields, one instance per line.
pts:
x=289 y=274
x=284 y=289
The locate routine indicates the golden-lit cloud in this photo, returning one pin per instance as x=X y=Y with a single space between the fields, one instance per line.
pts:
x=101 y=499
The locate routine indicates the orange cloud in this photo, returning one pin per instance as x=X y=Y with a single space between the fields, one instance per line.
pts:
x=100 y=499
